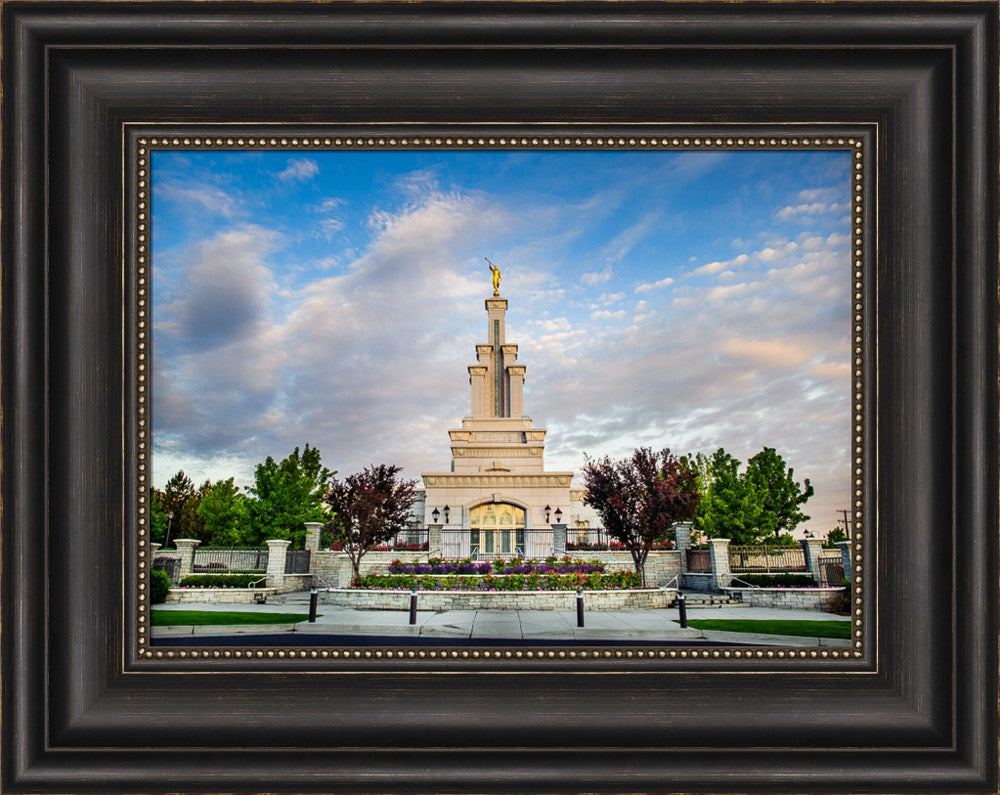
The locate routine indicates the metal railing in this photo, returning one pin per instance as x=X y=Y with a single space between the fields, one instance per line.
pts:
x=590 y=539
x=224 y=561
x=831 y=570
x=406 y=541
x=172 y=566
x=766 y=559
x=492 y=543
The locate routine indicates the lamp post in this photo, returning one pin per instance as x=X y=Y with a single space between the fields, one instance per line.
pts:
x=170 y=518
x=435 y=514
x=548 y=514
x=558 y=516
x=447 y=511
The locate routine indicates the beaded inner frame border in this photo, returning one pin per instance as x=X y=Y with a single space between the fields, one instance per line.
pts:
x=137 y=259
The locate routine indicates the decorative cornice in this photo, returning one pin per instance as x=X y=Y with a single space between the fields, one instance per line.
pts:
x=494 y=451
x=516 y=369
x=451 y=480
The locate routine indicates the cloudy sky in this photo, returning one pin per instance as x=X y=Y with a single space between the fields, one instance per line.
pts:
x=688 y=300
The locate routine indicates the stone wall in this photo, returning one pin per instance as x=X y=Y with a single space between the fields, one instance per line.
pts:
x=797 y=598
x=497 y=600
x=221 y=596
x=701 y=583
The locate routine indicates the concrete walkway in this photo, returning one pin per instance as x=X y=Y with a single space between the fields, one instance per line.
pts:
x=555 y=625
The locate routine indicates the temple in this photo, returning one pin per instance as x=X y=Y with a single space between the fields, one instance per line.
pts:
x=497 y=499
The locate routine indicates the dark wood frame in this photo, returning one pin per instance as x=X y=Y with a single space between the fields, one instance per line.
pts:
x=917 y=713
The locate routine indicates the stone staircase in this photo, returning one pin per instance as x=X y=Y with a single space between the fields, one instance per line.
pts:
x=693 y=599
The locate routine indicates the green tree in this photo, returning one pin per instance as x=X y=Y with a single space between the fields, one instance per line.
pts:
x=286 y=495
x=780 y=496
x=728 y=507
x=760 y=504
x=835 y=535
x=640 y=498
x=180 y=501
x=158 y=518
x=224 y=510
x=369 y=508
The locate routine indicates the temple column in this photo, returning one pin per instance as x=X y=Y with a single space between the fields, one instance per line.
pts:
x=516 y=373
x=477 y=377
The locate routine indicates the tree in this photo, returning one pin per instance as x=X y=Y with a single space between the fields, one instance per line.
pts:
x=158 y=519
x=728 y=507
x=369 y=508
x=180 y=501
x=287 y=495
x=640 y=498
x=224 y=511
x=761 y=503
x=779 y=495
x=835 y=535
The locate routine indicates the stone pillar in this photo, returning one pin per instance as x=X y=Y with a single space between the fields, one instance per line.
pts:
x=845 y=554
x=434 y=546
x=276 y=550
x=813 y=548
x=477 y=377
x=558 y=540
x=153 y=546
x=516 y=373
x=682 y=541
x=313 y=530
x=185 y=549
x=719 y=549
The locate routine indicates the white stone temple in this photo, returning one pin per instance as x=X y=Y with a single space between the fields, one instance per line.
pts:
x=497 y=498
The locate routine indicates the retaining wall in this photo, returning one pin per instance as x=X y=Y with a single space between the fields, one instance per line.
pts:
x=221 y=596
x=797 y=598
x=497 y=600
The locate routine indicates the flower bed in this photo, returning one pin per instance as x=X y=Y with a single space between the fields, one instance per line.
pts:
x=565 y=565
x=221 y=580
x=548 y=581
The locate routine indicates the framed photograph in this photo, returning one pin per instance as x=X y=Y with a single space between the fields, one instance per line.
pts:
x=221 y=217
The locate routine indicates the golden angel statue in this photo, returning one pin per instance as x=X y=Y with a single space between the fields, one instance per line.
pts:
x=496 y=276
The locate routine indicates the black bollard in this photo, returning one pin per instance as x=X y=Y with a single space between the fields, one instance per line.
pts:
x=683 y=610
x=413 y=607
x=313 y=601
x=579 y=608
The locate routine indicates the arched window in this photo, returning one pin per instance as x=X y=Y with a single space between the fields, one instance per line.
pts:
x=497 y=530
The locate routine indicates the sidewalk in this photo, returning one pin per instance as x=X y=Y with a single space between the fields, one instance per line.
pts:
x=553 y=625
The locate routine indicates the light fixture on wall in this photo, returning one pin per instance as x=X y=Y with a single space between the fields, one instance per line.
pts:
x=558 y=515
x=447 y=511
x=435 y=514
x=548 y=513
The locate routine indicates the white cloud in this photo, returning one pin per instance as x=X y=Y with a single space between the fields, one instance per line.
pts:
x=649 y=286
x=597 y=277
x=299 y=169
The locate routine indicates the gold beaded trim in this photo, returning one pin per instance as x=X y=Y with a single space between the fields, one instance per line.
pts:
x=141 y=262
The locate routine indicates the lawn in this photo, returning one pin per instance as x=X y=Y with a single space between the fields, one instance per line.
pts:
x=203 y=618
x=810 y=629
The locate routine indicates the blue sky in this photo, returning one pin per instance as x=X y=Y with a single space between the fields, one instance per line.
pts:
x=682 y=299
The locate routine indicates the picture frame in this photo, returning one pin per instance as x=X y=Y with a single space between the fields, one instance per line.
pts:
x=83 y=711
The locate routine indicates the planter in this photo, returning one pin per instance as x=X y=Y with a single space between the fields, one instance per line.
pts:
x=371 y=599
x=796 y=598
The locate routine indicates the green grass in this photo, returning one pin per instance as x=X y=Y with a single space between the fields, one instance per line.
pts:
x=810 y=629
x=202 y=618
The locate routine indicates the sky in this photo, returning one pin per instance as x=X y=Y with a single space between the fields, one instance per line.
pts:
x=690 y=300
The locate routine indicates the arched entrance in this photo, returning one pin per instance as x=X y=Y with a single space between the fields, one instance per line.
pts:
x=497 y=530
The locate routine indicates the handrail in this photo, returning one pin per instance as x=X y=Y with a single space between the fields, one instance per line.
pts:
x=745 y=583
x=254 y=584
x=672 y=581
x=328 y=586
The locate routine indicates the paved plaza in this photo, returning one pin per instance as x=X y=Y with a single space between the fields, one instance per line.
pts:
x=529 y=625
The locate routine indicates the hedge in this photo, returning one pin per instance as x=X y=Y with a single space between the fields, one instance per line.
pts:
x=159 y=586
x=551 y=581
x=781 y=580
x=220 y=580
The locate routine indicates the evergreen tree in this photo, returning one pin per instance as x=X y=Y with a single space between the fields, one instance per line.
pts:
x=158 y=518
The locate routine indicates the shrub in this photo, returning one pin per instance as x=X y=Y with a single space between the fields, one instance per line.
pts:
x=781 y=580
x=220 y=580
x=159 y=585
x=841 y=603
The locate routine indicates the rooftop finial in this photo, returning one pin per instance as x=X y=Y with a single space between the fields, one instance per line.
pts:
x=496 y=276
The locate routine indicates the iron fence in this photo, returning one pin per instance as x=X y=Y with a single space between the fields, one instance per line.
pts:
x=699 y=561
x=765 y=559
x=492 y=543
x=831 y=571
x=406 y=541
x=172 y=566
x=224 y=561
